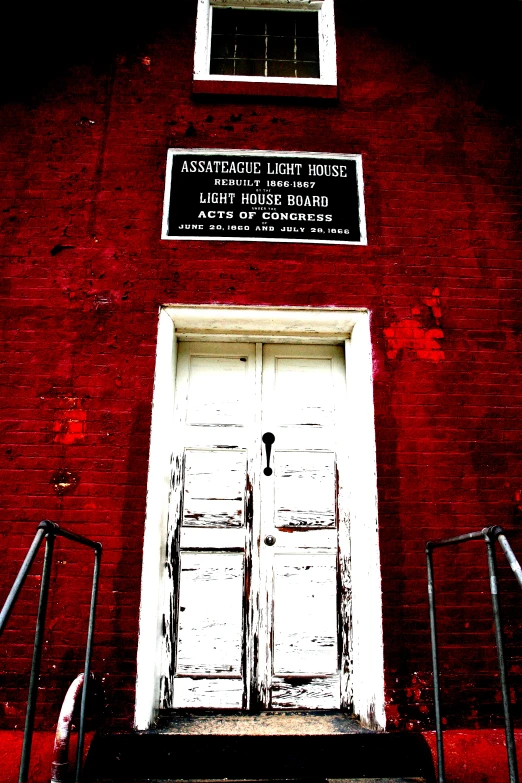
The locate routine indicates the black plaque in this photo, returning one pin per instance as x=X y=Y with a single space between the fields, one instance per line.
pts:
x=264 y=197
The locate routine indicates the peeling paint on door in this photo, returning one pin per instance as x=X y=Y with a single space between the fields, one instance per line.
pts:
x=252 y=554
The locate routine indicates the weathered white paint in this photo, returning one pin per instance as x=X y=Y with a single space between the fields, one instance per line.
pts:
x=367 y=644
x=274 y=325
x=269 y=325
x=303 y=391
x=150 y=642
x=305 y=615
x=304 y=489
x=300 y=400
x=314 y=694
x=327 y=43
x=210 y=624
x=213 y=447
x=220 y=694
x=199 y=538
x=214 y=488
x=304 y=395
x=216 y=392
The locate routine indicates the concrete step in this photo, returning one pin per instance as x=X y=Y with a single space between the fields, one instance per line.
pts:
x=158 y=755
x=271 y=723
x=331 y=780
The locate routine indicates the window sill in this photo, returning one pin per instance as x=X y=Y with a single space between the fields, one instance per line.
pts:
x=261 y=88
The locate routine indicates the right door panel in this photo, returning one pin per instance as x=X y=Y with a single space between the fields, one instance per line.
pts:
x=299 y=604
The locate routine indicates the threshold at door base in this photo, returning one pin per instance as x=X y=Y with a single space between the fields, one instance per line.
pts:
x=290 y=723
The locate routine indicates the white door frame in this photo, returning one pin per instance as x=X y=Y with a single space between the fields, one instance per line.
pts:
x=285 y=325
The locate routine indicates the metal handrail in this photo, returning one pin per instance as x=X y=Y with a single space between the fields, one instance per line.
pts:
x=50 y=530
x=490 y=535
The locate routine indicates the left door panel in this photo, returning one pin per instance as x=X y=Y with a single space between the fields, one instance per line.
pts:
x=210 y=525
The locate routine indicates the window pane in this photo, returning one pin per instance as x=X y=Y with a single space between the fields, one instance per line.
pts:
x=222 y=67
x=307 y=70
x=250 y=22
x=223 y=21
x=280 y=48
x=307 y=24
x=281 y=68
x=307 y=49
x=281 y=23
x=250 y=67
x=249 y=42
x=222 y=46
x=250 y=47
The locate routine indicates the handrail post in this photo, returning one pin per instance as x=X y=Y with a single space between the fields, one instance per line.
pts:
x=21 y=577
x=37 y=655
x=510 y=555
x=50 y=530
x=435 y=663
x=490 y=535
x=87 y=670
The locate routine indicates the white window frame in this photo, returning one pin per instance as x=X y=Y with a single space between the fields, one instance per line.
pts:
x=285 y=325
x=327 y=44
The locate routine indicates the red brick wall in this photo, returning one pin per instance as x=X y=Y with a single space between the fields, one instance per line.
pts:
x=83 y=167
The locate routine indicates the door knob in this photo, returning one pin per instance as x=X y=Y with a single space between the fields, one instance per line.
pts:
x=268 y=439
x=270 y=540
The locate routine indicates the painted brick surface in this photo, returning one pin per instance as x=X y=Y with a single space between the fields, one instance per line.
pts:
x=85 y=272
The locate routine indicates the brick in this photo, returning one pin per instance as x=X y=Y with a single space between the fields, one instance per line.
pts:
x=443 y=196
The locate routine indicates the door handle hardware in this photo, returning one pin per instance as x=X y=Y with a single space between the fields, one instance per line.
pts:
x=268 y=440
x=270 y=540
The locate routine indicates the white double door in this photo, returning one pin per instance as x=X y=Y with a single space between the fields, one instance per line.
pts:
x=259 y=605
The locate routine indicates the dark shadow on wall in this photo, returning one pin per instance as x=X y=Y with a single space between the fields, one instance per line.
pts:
x=126 y=573
x=457 y=38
